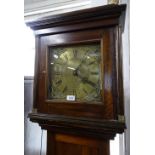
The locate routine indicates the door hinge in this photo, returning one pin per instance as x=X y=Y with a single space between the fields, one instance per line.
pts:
x=121 y=118
x=34 y=110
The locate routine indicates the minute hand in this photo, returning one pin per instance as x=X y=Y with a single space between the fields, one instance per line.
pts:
x=85 y=80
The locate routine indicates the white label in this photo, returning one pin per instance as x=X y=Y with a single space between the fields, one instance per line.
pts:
x=70 y=98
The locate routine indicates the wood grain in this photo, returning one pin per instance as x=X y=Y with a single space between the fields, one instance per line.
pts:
x=67 y=145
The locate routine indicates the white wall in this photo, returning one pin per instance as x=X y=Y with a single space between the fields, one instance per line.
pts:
x=29 y=51
x=38 y=8
x=126 y=81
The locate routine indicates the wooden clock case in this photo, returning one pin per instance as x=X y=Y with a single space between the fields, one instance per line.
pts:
x=81 y=128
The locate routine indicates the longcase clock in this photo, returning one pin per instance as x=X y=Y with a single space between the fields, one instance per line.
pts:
x=78 y=88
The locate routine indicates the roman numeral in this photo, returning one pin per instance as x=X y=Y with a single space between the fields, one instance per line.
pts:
x=85 y=91
x=65 y=89
x=66 y=57
x=58 y=82
x=74 y=92
x=58 y=73
x=75 y=53
x=94 y=73
x=91 y=62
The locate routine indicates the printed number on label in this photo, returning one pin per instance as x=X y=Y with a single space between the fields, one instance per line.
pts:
x=70 y=98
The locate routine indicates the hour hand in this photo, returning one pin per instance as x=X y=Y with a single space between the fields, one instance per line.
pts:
x=76 y=71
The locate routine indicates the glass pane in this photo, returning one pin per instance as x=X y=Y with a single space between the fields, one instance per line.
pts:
x=75 y=72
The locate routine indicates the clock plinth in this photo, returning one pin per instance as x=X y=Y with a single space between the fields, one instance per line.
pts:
x=78 y=88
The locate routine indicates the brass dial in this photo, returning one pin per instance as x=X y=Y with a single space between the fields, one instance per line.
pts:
x=75 y=70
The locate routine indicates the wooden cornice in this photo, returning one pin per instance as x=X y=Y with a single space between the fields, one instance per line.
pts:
x=103 y=129
x=101 y=12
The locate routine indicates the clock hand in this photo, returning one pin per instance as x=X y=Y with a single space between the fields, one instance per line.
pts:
x=75 y=72
x=85 y=80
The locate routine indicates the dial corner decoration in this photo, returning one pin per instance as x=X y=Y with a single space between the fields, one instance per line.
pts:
x=74 y=73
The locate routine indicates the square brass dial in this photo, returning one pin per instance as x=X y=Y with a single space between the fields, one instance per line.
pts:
x=74 y=71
